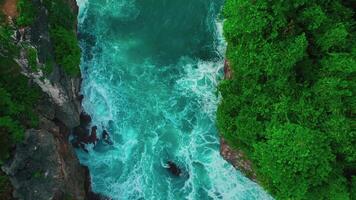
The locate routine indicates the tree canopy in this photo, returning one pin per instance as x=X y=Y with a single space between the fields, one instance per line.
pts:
x=290 y=104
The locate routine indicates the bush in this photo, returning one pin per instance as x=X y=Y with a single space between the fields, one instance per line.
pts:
x=48 y=67
x=7 y=47
x=66 y=49
x=32 y=58
x=60 y=14
x=27 y=13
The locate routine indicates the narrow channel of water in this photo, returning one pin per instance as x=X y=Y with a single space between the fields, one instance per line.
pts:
x=150 y=71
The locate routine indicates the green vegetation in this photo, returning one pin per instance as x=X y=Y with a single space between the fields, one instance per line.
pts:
x=48 y=67
x=27 y=12
x=17 y=96
x=32 y=58
x=16 y=105
x=60 y=14
x=61 y=23
x=67 y=51
x=290 y=105
x=38 y=175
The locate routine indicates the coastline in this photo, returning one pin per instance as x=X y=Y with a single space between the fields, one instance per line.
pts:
x=237 y=158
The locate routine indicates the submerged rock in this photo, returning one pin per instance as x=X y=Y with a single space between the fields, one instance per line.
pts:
x=174 y=169
x=106 y=137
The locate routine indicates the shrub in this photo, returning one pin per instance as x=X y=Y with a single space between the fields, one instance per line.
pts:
x=60 y=14
x=66 y=49
x=32 y=58
x=48 y=67
x=27 y=13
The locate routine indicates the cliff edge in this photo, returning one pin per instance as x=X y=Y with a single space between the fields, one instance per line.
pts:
x=236 y=157
x=44 y=166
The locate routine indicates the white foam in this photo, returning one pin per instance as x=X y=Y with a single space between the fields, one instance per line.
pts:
x=139 y=146
x=83 y=7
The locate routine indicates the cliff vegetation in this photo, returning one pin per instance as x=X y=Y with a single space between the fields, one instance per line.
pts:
x=290 y=105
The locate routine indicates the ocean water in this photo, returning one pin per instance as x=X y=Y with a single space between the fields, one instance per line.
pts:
x=150 y=70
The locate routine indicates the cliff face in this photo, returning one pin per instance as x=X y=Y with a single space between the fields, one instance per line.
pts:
x=45 y=166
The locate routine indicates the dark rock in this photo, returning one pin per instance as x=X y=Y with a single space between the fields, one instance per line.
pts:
x=106 y=137
x=173 y=168
x=93 y=138
x=81 y=132
x=45 y=166
x=85 y=119
x=90 y=195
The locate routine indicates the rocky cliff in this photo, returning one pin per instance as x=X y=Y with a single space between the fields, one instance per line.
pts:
x=44 y=165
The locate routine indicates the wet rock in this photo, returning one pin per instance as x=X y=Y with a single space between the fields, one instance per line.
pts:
x=173 y=168
x=106 y=137
x=90 y=195
x=81 y=132
x=93 y=138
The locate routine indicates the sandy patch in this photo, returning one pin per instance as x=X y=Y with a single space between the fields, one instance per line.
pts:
x=9 y=8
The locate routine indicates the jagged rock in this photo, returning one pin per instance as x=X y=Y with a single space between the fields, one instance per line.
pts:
x=62 y=89
x=44 y=166
x=238 y=159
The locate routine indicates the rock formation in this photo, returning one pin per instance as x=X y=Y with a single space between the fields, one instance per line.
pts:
x=44 y=166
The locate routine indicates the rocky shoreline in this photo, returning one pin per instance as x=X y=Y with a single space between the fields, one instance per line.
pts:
x=236 y=157
x=44 y=166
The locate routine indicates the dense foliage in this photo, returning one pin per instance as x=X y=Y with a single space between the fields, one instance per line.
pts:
x=27 y=12
x=17 y=96
x=32 y=58
x=290 y=104
x=66 y=49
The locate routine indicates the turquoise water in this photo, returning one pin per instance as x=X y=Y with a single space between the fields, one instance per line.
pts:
x=150 y=70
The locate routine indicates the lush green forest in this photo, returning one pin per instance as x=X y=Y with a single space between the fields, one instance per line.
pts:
x=290 y=105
